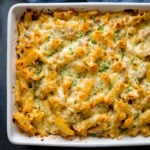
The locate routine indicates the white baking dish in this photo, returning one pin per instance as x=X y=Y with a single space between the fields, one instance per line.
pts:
x=14 y=135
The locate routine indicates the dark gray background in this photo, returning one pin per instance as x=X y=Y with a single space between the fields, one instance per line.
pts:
x=4 y=143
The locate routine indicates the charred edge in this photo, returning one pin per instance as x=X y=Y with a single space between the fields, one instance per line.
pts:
x=131 y=12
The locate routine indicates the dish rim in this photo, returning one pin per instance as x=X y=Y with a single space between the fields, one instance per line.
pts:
x=9 y=86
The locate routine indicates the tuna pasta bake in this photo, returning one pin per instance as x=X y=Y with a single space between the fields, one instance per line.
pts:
x=83 y=73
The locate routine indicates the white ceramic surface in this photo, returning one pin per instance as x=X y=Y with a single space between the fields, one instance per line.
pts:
x=13 y=134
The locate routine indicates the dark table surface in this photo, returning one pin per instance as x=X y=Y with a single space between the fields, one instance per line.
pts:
x=4 y=143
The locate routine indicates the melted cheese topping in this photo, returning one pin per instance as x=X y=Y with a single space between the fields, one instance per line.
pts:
x=83 y=73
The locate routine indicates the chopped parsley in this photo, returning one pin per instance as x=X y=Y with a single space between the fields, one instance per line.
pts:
x=110 y=87
x=49 y=55
x=40 y=63
x=80 y=35
x=71 y=50
x=123 y=54
x=93 y=134
x=48 y=38
x=74 y=83
x=93 y=42
x=130 y=89
x=37 y=72
x=78 y=75
x=132 y=60
x=75 y=102
x=69 y=73
x=88 y=32
x=104 y=66
x=100 y=27
x=92 y=17
x=87 y=99
x=46 y=48
x=52 y=53
x=83 y=19
x=63 y=32
x=116 y=38
x=40 y=26
x=63 y=68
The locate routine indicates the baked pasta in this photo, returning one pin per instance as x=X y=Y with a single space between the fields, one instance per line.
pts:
x=83 y=73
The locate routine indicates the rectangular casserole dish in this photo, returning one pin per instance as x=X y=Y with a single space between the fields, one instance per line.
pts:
x=13 y=134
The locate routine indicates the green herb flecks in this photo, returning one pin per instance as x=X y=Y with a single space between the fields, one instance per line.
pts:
x=74 y=82
x=129 y=89
x=45 y=48
x=40 y=63
x=110 y=87
x=123 y=54
x=38 y=71
x=133 y=59
x=69 y=73
x=93 y=42
x=40 y=26
x=62 y=69
x=71 y=51
x=75 y=102
x=87 y=99
x=103 y=66
x=52 y=53
x=116 y=37
x=93 y=134
x=92 y=17
x=100 y=27
x=48 y=38
x=87 y=33
x=83 y=19
x=80 y=35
